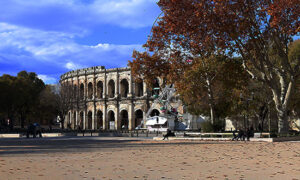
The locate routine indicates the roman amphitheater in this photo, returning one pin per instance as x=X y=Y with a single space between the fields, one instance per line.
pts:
x=107 y=99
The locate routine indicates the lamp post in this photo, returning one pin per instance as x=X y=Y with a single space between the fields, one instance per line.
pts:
x=246 y=100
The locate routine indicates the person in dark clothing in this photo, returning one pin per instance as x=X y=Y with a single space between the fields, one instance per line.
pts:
x=241 y=135
x=248 y=134
x=234 y=135
x=169 y=133
x=34 y=129
x=251 y=131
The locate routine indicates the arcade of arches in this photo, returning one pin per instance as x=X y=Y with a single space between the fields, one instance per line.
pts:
x=107 y=99
x=122 y=120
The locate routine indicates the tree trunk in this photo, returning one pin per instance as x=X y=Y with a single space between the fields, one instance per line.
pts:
x=281 y=109
x=211 y=101
x=62 y=124
x=283 y=126
x=212 y=113
x=62 y=121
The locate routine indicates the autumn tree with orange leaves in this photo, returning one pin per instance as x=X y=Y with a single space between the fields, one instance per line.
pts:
x=257 y=31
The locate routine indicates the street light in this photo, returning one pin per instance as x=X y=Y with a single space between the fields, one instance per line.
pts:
x=247 y=108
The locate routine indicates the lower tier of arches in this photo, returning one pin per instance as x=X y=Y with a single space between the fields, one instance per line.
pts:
x=108 y=119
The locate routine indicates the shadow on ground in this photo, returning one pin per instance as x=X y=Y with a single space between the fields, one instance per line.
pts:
x=21 y=146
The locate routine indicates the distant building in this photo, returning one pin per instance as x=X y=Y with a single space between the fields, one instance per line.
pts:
x=108 y=99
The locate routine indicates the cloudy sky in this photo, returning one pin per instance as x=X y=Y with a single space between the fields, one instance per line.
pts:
x=51 y=37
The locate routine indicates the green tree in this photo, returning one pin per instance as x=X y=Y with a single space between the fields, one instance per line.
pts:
x=47 y=109
x=28 y=87
x=211 y=86
x=8 y=97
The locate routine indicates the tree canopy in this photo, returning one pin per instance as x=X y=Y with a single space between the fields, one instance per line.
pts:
x=259 y=32
x=25 y=98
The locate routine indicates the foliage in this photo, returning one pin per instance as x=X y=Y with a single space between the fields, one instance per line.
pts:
x=28 y=87
x=25 y=98
x=64 y=101
x=208 y=126
x=294 y=106
x=226 y=81
x=47 y=109
x=257 y=31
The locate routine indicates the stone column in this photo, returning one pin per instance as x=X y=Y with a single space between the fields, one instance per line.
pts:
x=78 y=89
x=72 y=103
x=94 y=118
x=85 y=89
x=117 y=85
x=117 y=117
x=105 y=119
x=84 y=119
x=131 y=86
x=105 y=86
x=131 y=117
x=117 y=95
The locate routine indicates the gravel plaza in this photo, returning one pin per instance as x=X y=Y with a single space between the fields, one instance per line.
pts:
x=142 y=158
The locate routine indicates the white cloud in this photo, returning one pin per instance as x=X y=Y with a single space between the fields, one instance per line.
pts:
x=42 y=36
x=105 y=46
x=54 y=52
x=79 y=15
x=126 y=13
x=72 y=66
x=44 y=45
x=47 y=79
x=37 y=42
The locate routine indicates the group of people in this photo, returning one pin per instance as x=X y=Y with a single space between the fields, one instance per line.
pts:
x=242 y=135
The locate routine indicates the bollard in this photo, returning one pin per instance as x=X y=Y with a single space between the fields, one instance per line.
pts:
x=137 y=133
x=146 y=133
x=91 y=133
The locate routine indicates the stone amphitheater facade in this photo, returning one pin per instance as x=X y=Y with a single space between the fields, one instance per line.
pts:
x=107 y=99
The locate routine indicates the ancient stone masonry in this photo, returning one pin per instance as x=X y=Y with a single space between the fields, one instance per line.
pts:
x=107 y=99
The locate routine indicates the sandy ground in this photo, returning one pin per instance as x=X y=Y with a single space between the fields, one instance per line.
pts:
x=125 y=158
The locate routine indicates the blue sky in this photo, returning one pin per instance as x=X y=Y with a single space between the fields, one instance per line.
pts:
x=51 y=37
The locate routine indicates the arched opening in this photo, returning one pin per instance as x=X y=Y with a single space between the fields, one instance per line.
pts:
x=100 y=89
x=90 y=120
x=90 y=90
x=124 y=88
x=80 y=124
x=99 y=120
x=139 y=89
x=138 y=118
x=124 y=119
x=111 y=88
x=75 y=92
x=154 y=112
x=156 y=87
x=69 y=121
x=74 y=118
x=111 y=120
x=81 y=93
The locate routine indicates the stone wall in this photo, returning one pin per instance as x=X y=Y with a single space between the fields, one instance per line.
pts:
x=106 y=99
